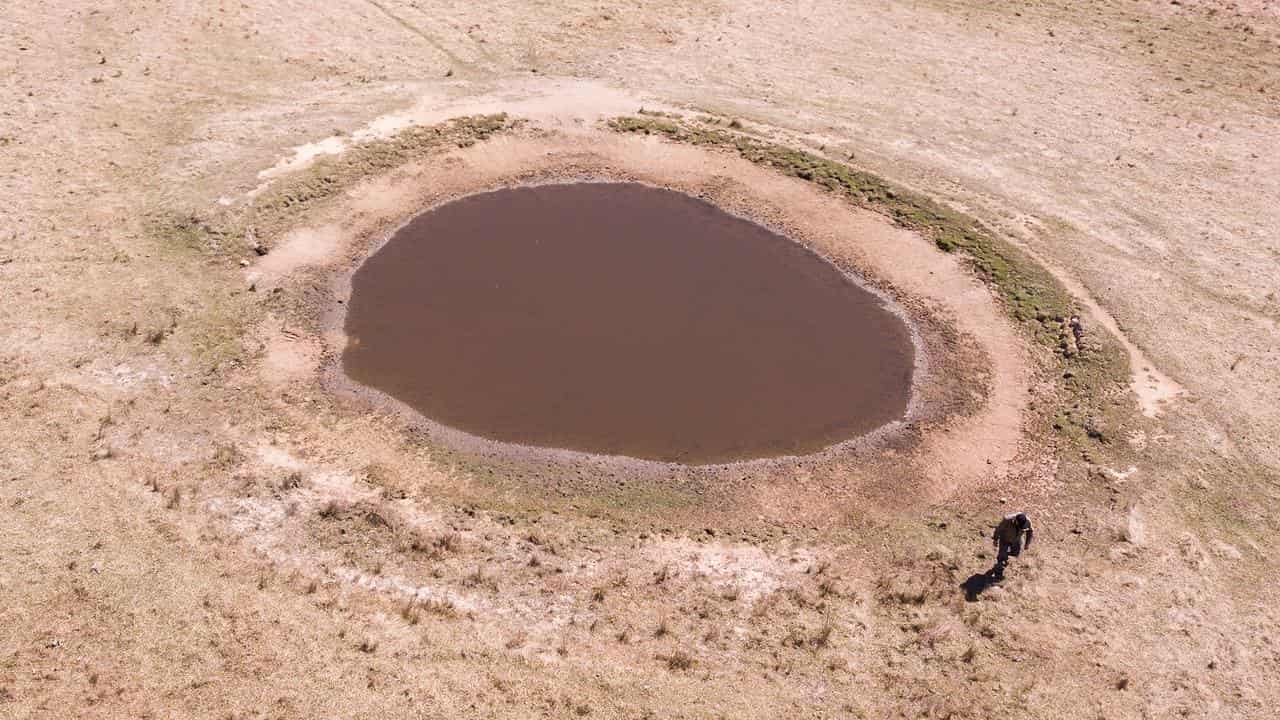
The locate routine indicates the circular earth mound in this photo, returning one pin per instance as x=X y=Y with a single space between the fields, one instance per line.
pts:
x=622 y=319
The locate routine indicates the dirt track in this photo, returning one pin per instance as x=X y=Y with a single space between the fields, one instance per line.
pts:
x=192 y=528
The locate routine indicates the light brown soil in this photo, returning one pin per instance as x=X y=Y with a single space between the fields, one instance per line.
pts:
x=192 y=525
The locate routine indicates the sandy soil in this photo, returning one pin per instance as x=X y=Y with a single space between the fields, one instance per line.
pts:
x=193 y=526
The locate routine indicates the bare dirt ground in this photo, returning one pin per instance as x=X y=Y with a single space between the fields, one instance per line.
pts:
x=193 y=525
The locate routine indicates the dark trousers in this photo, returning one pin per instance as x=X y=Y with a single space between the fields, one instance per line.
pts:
x=1007 y=550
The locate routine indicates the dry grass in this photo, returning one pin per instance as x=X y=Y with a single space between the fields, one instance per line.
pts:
x=135 y=352
x=678 y=661
x=434 y=546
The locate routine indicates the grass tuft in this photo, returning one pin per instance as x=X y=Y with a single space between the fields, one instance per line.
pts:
x=678 y=661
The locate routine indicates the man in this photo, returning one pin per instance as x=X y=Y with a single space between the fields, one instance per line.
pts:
x=1007 y=539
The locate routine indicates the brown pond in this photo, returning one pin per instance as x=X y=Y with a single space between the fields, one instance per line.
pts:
x=622 y=319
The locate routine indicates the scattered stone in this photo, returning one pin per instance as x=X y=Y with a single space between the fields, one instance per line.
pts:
x=1130 y=581
x=1135 y=529
x=251 y=239
x=1070 y=336
x=1225 y=550
x=940 y=553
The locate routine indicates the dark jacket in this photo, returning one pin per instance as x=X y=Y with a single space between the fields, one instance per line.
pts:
x=1011 y=528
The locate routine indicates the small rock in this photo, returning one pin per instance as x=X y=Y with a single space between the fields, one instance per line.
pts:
x=1230 y=552
x=101 y=453
x=1093 y=427
x=1135 y=530
x=939 y=553
x=1130 y=581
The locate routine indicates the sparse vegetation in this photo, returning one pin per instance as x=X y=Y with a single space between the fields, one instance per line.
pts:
x=410 y=613
x=661 y=575
x=1030 y=294
x=333 y=509
x=478 y=579
x=334 y=174
x=434 y=546
x=678 y=661
x=193 y=523
x=225 y=233
x=442 y=607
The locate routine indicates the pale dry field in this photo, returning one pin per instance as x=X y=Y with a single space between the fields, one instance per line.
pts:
x=194 y=524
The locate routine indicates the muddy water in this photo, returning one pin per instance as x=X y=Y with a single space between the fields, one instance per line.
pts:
x=625 y=320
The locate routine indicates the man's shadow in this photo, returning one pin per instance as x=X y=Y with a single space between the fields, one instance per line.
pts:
x=977 y=583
